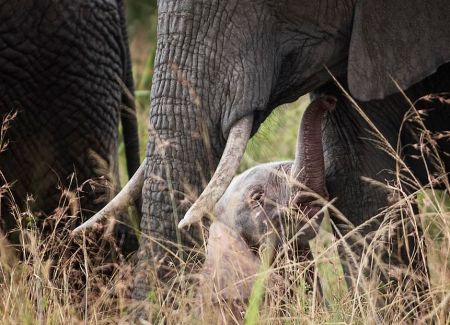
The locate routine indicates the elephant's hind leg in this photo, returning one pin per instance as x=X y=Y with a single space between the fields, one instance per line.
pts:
x=306 y=257
x=370 y=225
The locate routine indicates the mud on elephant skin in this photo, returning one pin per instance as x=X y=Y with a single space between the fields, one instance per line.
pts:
x=65 y=71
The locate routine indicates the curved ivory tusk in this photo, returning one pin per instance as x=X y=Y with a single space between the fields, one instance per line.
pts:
x=227 y=168
x=120 y=202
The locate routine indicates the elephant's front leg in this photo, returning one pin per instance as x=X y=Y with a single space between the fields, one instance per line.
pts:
x=379 y=239
x=314 y=286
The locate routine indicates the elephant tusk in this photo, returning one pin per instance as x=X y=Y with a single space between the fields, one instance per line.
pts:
x=120 y=202
x=227 y=168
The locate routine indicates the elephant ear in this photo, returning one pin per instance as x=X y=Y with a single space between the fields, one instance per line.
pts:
x=396 y=40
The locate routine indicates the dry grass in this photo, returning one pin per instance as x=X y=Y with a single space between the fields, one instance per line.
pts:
x=51 y=280
x=38 y=290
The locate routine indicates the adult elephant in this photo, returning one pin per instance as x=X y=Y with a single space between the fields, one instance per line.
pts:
x=65 y=71
x=223 y=66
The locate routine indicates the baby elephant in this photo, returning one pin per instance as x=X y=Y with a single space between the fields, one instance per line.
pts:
x=277 y=202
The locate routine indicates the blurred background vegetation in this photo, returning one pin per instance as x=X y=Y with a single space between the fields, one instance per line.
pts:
x=275 y=139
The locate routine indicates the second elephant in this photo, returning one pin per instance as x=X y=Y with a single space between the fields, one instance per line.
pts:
x=65 y=72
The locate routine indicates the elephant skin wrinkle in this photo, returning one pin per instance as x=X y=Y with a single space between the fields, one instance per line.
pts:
x=65 y=65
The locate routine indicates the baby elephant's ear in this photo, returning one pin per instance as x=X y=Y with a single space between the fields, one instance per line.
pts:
x=396 y=39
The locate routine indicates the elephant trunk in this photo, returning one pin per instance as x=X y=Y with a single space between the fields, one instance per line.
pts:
x=309 y=166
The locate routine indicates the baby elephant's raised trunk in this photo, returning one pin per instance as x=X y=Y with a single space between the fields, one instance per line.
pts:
x=309 y=166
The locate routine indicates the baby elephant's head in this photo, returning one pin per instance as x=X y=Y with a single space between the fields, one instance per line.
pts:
x=281 y=200
x=256 y=202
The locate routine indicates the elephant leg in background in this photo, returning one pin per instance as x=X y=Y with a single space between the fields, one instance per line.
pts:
x=64 y=73
x=369 y=236
x=68 y=160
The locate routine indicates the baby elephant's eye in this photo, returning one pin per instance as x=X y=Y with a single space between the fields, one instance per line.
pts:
x=256 y=198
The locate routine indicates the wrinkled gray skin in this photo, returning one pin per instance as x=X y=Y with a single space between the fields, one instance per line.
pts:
x=65 y=69
x=220 y=60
